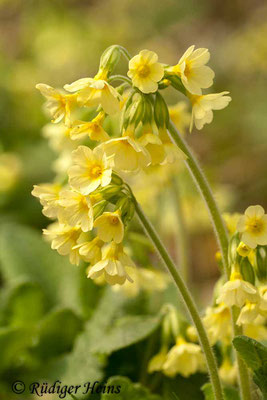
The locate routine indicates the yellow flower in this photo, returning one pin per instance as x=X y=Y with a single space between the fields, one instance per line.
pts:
x=237 y=291
x=156 y=363
x=218 y=323
x=94 y=92
x=228 y=372
x=248 y=313
x=243 y=250
x=113 y=265
x=192 y=70
x=231 y=221
x=59 y=105
x=110 y=227
x=128 y=154
x=77 y=210
x=253 y=227
x=184 y=358
x=256 y=330
x=93 y=129
x=91 y=251
x=154 y=146
x=172 y=152
x=64 y=239
x=180 y=116
x=203 y=106
x=90 y=169
x=48 y=193
x=58 y=137
x=145 y=71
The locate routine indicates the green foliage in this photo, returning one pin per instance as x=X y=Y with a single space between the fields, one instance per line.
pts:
x=174 y=389
x=255 y=356
x=230 y=393
x=128 y=390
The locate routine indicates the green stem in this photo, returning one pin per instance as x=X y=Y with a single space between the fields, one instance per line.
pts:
x=120 y=78
x=222 y=238
x=183 y=247
x=188 y=300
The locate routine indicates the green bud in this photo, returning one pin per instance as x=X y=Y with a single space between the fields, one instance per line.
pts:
x=176 y=82
x=261 y=263
x=136 y=111
x=123 y=205
x=116 y=180
x=247 y=271
x=99 y=208
x=233 y=256
x=110 y=191
x=161 y=112
x=110 y=58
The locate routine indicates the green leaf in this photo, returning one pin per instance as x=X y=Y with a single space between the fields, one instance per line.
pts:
x=24 y=256
x=121 y=388
x=255 y=356
x=24 y=304
x=124 y=332
x=56 y=333
x=230 y=393
x=175 y=388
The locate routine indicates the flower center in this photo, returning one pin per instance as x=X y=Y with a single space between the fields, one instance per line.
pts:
x=114 y=220
x=95 y=171
x=143 y=71
x=255 y=226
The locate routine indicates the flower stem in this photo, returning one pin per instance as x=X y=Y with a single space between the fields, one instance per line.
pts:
x=188 y=300
x=120 y=78
x=183 y=247
x=222 y=239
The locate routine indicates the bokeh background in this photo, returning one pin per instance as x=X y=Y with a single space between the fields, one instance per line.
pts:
x=57 y=42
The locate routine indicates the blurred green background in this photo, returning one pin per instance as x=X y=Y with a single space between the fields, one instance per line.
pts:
x=57 y=42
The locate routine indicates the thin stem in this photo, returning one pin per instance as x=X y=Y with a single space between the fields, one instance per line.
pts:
x=183 y=247
x=188 y=300
x=206 y=193
x=125 y=53
x=222 y=238
x=120 y=78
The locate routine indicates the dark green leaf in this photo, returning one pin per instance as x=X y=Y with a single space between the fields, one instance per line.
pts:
x=121 y=388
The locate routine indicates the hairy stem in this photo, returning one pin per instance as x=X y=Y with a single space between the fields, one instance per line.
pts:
x=222 y=238
x=188 y=300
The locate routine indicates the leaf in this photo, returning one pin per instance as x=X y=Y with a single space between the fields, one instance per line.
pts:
x=24 y=304
x=230 y=393
x=124 y=332
x=24 y=256
x=176 y=387
x=56 y=333
x=121 y=388
x=255 y=356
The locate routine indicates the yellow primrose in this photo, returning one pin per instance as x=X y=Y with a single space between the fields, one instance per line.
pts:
x=192 y=70
x=180 y=116
x=58 y=105
x=77 y=210
x=93 y=92
x=236 y=291
x=113 y=265
x=184 y=358
x=58 y=137
x=91 y=251
x=253 y=226
x=48 y=194
x=172 y=152
x=90 y=169
x=243 y=250
x=231 y=221
x=248 y=313
x=128 y=154
x=110 y=227
x=145 y=71
x=228 y=372
x=154 y=146
x=156 y=363
x=64 y=238
x=256 y=330
x=93 y=129
x=203 y=106
x=217 y=321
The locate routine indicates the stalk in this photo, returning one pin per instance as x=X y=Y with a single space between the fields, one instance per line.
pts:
x=188 y=300
x=222 y=238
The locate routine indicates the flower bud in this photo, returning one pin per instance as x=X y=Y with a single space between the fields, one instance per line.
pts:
x=233 y=256
x=247 y=271
x=161 y=112
x=99 y=208
x=116 y=180
x=176 y=82
x=110 y=58
x=261 y=263
x=110 y=191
